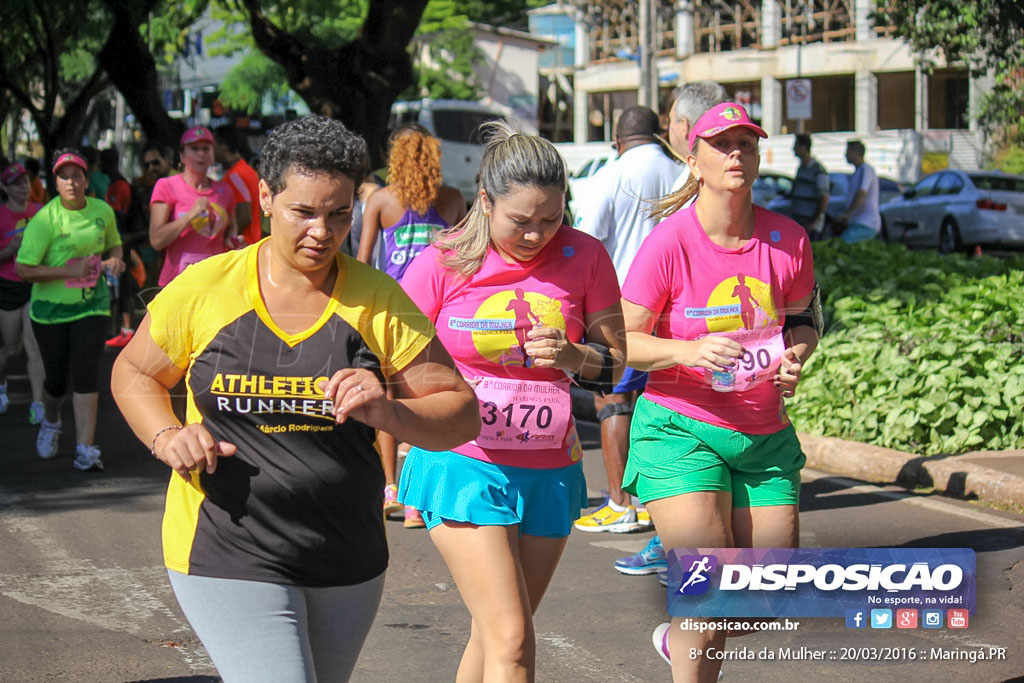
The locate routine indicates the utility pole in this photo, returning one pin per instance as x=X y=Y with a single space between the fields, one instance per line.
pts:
x=647 y=94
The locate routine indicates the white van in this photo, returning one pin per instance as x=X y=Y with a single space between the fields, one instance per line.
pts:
x=454 y=122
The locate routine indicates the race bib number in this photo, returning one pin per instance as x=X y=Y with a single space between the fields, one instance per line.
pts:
x=762 y=356
x=90 y=279
x=522 y=414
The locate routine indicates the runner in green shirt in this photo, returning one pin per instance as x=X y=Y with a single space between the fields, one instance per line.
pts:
x=66 y=250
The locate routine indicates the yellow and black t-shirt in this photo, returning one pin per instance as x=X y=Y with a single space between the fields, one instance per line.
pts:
x=300 y=503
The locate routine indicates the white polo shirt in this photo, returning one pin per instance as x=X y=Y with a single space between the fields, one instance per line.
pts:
x=615 y=207
x=865 y=178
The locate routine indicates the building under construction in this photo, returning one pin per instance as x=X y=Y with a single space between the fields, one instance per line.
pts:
x=862 y=80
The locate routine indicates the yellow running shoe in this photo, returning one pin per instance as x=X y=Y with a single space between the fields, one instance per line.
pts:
x=606 y=519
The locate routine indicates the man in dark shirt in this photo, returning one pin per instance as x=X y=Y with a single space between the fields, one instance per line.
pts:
x=810 y=188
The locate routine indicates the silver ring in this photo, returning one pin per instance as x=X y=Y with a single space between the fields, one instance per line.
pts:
x=359 y=387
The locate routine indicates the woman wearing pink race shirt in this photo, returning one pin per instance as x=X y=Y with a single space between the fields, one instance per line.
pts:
x=15 y=326
x=191 y=216
x=718 y=307
x=512 y=292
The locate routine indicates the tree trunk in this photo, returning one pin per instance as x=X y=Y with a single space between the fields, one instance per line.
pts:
x=357 y=83
x=132 y=70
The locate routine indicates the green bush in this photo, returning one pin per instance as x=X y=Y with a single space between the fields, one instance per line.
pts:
x=922 y=352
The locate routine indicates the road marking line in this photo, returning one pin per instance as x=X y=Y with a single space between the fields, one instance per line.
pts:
x=111 y=598
x=853 y=486
x=580 y=660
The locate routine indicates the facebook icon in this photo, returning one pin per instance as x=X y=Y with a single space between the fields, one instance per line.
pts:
x=856 y=618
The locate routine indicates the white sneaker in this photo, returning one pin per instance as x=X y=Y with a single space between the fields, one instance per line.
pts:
x=660 y=639
x=4 y=401
x=88 y=458
x=46 y=440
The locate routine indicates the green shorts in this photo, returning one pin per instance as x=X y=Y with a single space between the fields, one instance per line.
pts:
x=671 y=454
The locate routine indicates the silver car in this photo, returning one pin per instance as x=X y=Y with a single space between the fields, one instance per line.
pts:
x=958 y=210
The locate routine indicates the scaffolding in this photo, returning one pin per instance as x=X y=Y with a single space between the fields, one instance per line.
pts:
x=718 y=25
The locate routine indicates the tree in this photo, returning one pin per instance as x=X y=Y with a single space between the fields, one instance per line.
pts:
x=354 y=79
x=48 y=65
x=131 y=66
x=987 y=35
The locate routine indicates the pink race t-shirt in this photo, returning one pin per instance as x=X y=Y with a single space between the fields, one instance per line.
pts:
x=12 y=224
x=205 y=235
x=697 y=288
x=483 y=320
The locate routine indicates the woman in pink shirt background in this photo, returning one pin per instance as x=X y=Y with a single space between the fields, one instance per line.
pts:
x=191 y=216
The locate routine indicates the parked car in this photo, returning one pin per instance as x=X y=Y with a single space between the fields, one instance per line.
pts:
x=454 y=122
x=888 y=189
x=583 y=176
x=958 y=210
x=769 y=185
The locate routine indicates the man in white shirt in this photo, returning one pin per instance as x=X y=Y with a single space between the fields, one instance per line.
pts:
x=690 y=103
x=616 y=210
x=861 y=217
x=617 y=202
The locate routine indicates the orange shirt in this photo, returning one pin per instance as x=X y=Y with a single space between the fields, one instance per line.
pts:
x=244 y=183
x=37 y=194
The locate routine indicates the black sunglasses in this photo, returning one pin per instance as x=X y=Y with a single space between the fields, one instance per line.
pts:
x=156 y=162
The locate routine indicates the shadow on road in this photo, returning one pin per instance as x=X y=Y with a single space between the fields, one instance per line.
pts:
x=978 y=540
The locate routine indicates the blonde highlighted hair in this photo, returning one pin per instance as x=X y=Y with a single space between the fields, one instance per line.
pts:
x=511 y=159
x=414 y=168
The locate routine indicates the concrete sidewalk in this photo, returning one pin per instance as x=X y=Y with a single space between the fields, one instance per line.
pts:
x=995 y=477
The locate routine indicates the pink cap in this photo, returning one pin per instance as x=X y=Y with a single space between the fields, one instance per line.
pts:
x=196 y=134
x=12 y=173
x=70 y=158
x=720 y=118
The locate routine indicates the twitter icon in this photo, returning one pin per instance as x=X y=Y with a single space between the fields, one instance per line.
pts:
x=881 y=618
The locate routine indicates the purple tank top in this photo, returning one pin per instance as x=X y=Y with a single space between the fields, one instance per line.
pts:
x=404 y=240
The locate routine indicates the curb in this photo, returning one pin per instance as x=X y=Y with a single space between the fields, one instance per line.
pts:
x=955 y=475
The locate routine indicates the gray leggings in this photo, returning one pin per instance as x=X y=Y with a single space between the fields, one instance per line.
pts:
x=255 y=631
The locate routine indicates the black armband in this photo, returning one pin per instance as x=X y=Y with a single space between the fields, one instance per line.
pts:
x=810 y=316
x=604 y=382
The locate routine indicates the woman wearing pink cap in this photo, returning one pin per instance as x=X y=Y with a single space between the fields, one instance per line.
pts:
x=191 y=216
x=15 y=328
x=64 y=250
x=718 y=307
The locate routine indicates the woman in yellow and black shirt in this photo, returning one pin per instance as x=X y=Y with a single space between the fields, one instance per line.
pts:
x=272 y=533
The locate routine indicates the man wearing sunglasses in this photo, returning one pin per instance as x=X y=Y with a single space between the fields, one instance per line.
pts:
x=157 y=163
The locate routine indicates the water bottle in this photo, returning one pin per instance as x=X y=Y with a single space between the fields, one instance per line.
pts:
x=114 y=285
x=723 y=381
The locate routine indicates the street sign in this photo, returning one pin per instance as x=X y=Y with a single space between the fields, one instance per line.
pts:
x=798 y=99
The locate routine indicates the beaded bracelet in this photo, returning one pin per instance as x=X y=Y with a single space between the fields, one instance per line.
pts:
x=152 y=447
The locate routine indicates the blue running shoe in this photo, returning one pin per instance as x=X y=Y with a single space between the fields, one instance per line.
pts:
x=650 y=560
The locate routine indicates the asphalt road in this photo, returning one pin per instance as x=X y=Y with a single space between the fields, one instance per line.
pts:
x=84 y=597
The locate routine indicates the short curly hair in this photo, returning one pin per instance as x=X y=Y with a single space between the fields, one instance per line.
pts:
x=313 y=144
x=414 y=168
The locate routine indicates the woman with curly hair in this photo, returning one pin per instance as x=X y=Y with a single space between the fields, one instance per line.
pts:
x=414 y=207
